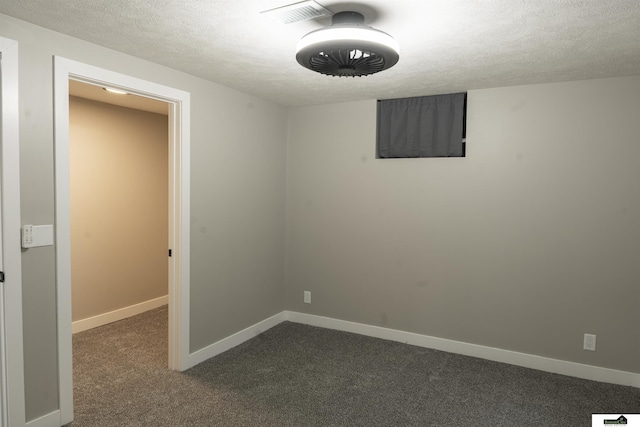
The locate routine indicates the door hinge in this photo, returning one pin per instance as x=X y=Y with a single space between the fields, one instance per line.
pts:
x=169 y=252
x=1 y=276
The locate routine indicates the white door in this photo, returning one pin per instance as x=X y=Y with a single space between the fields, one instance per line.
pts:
x=11 y=356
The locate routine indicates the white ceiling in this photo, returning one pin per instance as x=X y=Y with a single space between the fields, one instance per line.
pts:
x=446 y=45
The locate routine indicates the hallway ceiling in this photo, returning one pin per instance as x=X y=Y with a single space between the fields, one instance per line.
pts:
x=445 y=45
x=97 y=93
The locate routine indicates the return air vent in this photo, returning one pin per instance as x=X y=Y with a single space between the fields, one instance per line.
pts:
x=297 y=12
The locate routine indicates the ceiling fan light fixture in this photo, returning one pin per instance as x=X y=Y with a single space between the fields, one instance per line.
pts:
x=347 y=48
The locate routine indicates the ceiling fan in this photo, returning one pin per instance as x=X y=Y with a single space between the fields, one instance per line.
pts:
x=347 y=48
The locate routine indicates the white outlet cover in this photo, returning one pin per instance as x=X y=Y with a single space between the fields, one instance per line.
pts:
x=589 y=342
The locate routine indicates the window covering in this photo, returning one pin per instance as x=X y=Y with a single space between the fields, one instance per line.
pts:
x=427 y=126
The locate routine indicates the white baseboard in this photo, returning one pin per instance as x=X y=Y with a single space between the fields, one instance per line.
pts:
x=120 y=314
x=234 y=340
x=52 y=419
x=589 y=372
x=556 y=366
x=562 y=367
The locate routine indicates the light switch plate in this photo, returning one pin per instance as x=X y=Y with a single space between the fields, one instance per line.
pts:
x=27 y=236
x=37 y=235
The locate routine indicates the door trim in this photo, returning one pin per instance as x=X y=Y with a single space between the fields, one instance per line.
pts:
x=179 y=211
x=11 y=295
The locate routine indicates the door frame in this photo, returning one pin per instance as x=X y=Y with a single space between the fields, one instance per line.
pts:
x=13 y=406
x=179 y=211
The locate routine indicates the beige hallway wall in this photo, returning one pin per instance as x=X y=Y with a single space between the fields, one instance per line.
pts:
x=119 y=206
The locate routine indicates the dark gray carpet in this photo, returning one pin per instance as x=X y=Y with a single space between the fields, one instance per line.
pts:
x=297 y=375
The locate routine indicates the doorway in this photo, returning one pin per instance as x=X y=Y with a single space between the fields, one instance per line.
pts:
x=118 y=149
x=179 y=168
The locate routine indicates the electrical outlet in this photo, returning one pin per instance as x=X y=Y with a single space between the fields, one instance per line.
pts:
x=589 y=342
x=307 y=297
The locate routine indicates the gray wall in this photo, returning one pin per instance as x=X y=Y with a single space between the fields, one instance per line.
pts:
x=238 y=145
x=526 y=244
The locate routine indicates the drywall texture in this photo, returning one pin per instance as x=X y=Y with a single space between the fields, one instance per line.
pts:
x=119 y=206
x=238 y=145
x=526 y=244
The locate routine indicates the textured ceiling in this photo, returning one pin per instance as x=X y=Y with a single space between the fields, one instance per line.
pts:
x=446 y=45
